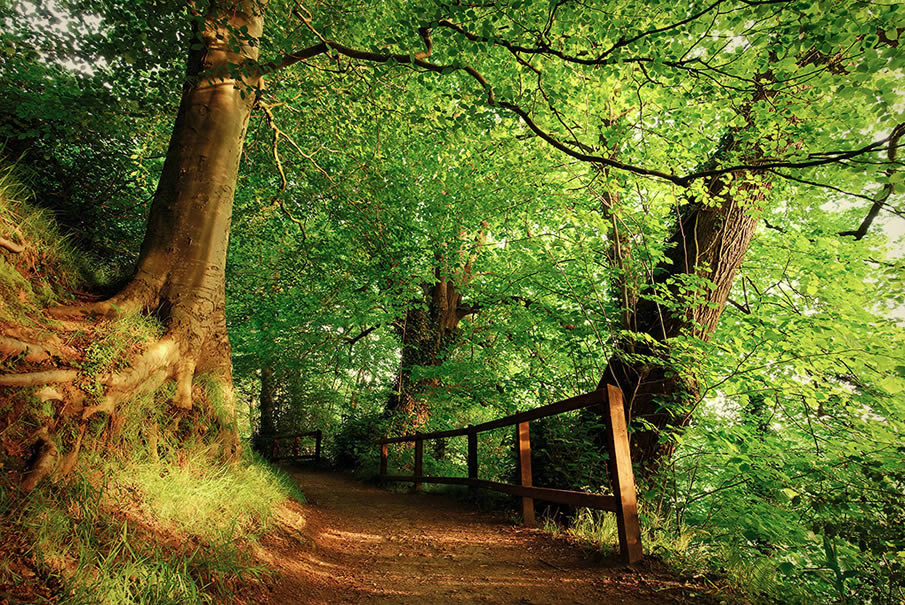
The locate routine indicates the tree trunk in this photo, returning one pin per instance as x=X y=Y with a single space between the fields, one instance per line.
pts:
x=180 y=275
x=660 y=382
x=267 y=426
x=427 y=336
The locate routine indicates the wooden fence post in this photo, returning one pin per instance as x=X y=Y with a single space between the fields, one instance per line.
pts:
x=524 y=456
x=472 y=453
x=298 y=446
x=317 y=446
x=622 y=478
x=419 y=458
x=383 y=460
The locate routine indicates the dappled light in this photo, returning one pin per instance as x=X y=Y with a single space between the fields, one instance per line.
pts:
x=359 y=542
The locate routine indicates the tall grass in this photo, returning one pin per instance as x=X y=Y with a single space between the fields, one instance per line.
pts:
x=146 y=531
x=43 y=273
x=686 y=551
x=152 y=513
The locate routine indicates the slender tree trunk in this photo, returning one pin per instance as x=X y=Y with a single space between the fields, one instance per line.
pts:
x=268 y=403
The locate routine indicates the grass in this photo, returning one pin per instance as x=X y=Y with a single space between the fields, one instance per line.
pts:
x=129 y=529
x=208 y=500
x=25 y=278
x=154 y=512
x=732 y=571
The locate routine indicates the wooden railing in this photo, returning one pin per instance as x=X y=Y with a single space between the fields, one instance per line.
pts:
x=295 y=441
x=623 y=503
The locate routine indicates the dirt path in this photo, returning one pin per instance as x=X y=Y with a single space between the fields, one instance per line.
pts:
x=357 y=543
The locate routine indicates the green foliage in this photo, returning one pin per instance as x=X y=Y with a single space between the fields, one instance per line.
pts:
x=565 y=454
x=789 y=478
x=70 y=105
x=353 y=443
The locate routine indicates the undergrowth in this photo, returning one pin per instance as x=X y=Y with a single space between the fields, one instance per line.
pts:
x=742 y=577
x=146 y=519
x=156 y=510
x=46 y=269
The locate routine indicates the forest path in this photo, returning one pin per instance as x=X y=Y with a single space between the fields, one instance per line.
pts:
x=355 y=543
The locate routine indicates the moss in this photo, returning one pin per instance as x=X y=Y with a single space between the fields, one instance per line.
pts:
x=114 y=343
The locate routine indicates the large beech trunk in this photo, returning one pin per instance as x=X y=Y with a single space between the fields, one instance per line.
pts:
x=181 y=269
x=708 y=242
x=180 y=277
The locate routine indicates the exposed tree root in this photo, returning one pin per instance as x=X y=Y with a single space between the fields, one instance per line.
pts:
x=14 y=341
x=33 y=353
x=133 y=299
x=49 y=394
x=45 y=460
x=148 y=372
x=185 y=371
x=11 y=246
x=83 y=310
x=193 y=342
x=35 y=379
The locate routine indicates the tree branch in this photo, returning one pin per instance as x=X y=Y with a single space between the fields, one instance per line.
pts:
x=351 y=341
x=419 y=60
x=822 y=185
x=861 y=231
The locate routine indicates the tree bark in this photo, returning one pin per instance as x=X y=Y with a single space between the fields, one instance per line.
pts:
x=662 y=391
x=267 y=426
x=180 y=276
x=427 y=335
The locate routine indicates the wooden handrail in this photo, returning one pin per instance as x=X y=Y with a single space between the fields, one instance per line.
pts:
x=275 y=439
x=567 y=405
x=561 y=496
x=623 y=502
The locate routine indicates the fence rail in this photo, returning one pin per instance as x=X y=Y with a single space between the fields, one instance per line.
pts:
x=295 y=439
x=623 y=502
